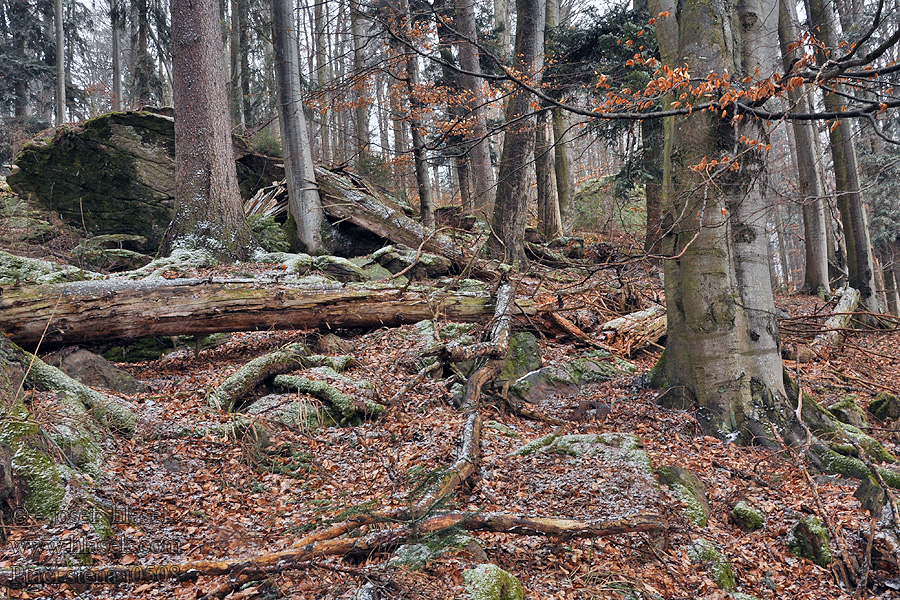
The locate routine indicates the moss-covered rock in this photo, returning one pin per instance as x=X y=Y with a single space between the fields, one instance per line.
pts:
x=92 y=369
x=566 y=379
x=870 y=496
x=297 y=413
x=114 y=174
x=611 y=446
x=849 y=412
x=704 y=551
x=809 y=539
x=15 y=270
x=690 y=490
x=416 y=265
x=490 y=582
x=746 y=516
x=523 y=356
x=885 y=407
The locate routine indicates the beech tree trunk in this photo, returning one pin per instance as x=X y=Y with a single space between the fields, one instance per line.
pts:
x=208 y=209
x=60 y=63
x=322 y=80
x=360 y=100
x=511 y=207
x=303 y=195
x=846 y=175
x=809 y=167
x=115 y=25
x=479 y=142
x=722 y=353
x=100 y=310
x=549 y=218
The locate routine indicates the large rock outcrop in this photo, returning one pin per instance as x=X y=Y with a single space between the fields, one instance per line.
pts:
x=114 y=174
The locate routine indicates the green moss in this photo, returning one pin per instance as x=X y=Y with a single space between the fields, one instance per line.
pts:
x=688 y=488
x=535 y=445
x=720 y=570
x=343 y=403
x=15 y=270
x=523 y=356
x=849 y=466
x=500 y=427
x=657 y=376
x=848 y=411
x=490 y=582
x=31 y=462
x=885 y=407
x=746 y=516
x=809 y=539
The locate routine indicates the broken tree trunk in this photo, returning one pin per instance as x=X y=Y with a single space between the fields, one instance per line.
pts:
x=843 y=312
x=349 y=199
x=636 y=330
x=90 y=311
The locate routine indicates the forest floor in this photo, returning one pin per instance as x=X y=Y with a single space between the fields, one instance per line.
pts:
x=188 y=499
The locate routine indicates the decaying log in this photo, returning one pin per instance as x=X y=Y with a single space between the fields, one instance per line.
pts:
x=636 y=330
x=90 y=311
x=843 y=312
x=343 y=199
x=255 y=372
x=315 y=546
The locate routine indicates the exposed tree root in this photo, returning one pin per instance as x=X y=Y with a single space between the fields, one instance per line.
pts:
x=255 y=372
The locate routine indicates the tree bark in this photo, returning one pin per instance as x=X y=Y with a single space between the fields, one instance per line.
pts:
x=322 y=80
x=303 y=196
x=115 y=25
x=511 y=206
x=479 y=141
x=549 y=218
x=60 y=63
x=208 y=210
x=846 y=175
x=360 y=100
x=809 y=167
x=100 y=310
x=723 y=350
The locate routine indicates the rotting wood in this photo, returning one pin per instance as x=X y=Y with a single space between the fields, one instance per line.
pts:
x=316 y=545
x=349 y=199
x=843 y=312
x=91 y=311
x=636 y=330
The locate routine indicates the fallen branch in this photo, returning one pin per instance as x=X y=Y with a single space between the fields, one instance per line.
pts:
x=315 y=547
x=574 y=331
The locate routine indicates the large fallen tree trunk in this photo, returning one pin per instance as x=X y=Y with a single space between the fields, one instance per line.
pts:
x=348 y=199
x=91 y=311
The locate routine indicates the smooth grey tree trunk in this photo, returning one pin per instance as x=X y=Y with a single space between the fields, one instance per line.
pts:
x=722 y=353
x=322 y=78
x=846 y=174
x=479 y=142
x=360 y=100
x=549 y=219
x=303 y=195
x=115 y=26
x=511 y=207
x=809 y=167
x=208 y=209
x=60 y=63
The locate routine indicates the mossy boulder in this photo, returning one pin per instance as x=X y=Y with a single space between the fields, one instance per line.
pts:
x=416 y=265
x=885 y=407
x=746 y=516
x=688 y=488
x=849 y=412
x=523 y=356
x=114 y=174
x=567 y=379
x=285 y=409
x=871 y=496
x=809 y=539
x=16 y=270
x=611 y=446
x=490 y=582
x=92 y=369
x=704 y=551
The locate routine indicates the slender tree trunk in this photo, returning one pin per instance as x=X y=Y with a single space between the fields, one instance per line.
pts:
x=479 y=142
x=115 y=26
x=143 y=64
x=549 y=219
x=322 y=79
x=303 y=195
x=462 y=178
x=511 y=210
x=234 y=82
x=809 y=167
x=208 y=209
x=60 y=63
x=501 y=26
x=846 y=175
x=652 y=137
x=360 y=89
x=782 y=247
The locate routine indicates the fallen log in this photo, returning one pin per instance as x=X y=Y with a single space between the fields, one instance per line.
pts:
x=348 y=199
x=636 y=330
x=90 y=311
x=313 y=547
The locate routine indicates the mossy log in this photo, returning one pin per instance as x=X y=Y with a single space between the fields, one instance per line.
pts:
x=119 y=309
x=348 y=406
x=255 y=372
